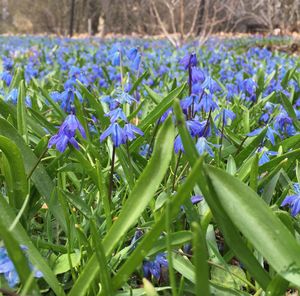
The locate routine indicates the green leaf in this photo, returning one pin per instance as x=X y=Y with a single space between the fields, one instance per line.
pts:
x=20 y=235
x=200 y=257
x=17 y=171
x=62 y=263
x=18 y=258
x=226 y=277
x=40 y=178
x=21 y=112
x=257 y=222
x=290 y=110
x=231 y=234
x=151 y=237
x=161 y=108
x=105 y=278
x=153 y=95
x=138 y=199
x=246 y=151
x=176 y=239
x=149 y=289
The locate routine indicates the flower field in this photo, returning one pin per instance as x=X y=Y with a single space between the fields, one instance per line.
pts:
x=130 y=167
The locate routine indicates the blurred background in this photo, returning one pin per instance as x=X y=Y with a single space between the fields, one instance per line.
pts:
x=175 y=19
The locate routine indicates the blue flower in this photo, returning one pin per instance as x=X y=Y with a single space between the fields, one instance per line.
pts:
x=116 y=114
x=249 y=86
x=66 y=134
x=116 y=133
x=265 y=157
x=130 y=130
x=269 y=135
x=6 y=77
x=178 y=146
x=124 y=97
x=204 y=146
x=189 y=60
x=197 y=128
x=207 y=103
x=132 y=53
x=226 y=116
x=154 y=268
x=136 y=62
x=116 y=58
x=7 y=268
x=293 y=201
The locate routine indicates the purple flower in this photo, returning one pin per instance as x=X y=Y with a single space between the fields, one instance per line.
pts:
x=116 y=133
x=293 y=201
x=196 y=199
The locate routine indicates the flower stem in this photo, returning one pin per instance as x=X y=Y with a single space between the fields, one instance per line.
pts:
x=112 y=172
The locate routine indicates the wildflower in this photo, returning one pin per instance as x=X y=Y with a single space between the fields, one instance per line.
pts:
x=145 y=150
x=204 y=146
x=130 y=130
x=66 y=134
x=199 y=129
x=154 y=268
x=132 y=53
x=178 y=146
x=269 y=135
x=293 y=201
x=207 y=103
x=138 y=234
x=116 y=133
x=7 y=268
x=226 y=116
x=116 y=114
x=189 y=60
x=124 y=97
x=6 y=77
x=136 y=62
x=249 y=86
x=265 y=157
x=116 y=58
x=196 y=199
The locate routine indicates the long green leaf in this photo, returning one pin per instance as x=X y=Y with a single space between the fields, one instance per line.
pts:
x=20 y=235
x=138 y=199
x=40 y=178
x=17 y=171
x=257 y=222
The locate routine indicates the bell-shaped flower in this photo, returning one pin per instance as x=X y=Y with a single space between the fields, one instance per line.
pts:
x=293 y=201
x=116 y=133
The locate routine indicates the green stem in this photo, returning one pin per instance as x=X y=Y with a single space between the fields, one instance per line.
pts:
x=112 y=172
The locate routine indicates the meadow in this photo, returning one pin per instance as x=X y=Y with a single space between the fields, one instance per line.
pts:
x=130 y=167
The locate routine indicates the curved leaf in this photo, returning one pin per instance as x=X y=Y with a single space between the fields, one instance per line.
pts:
x=250 y=214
